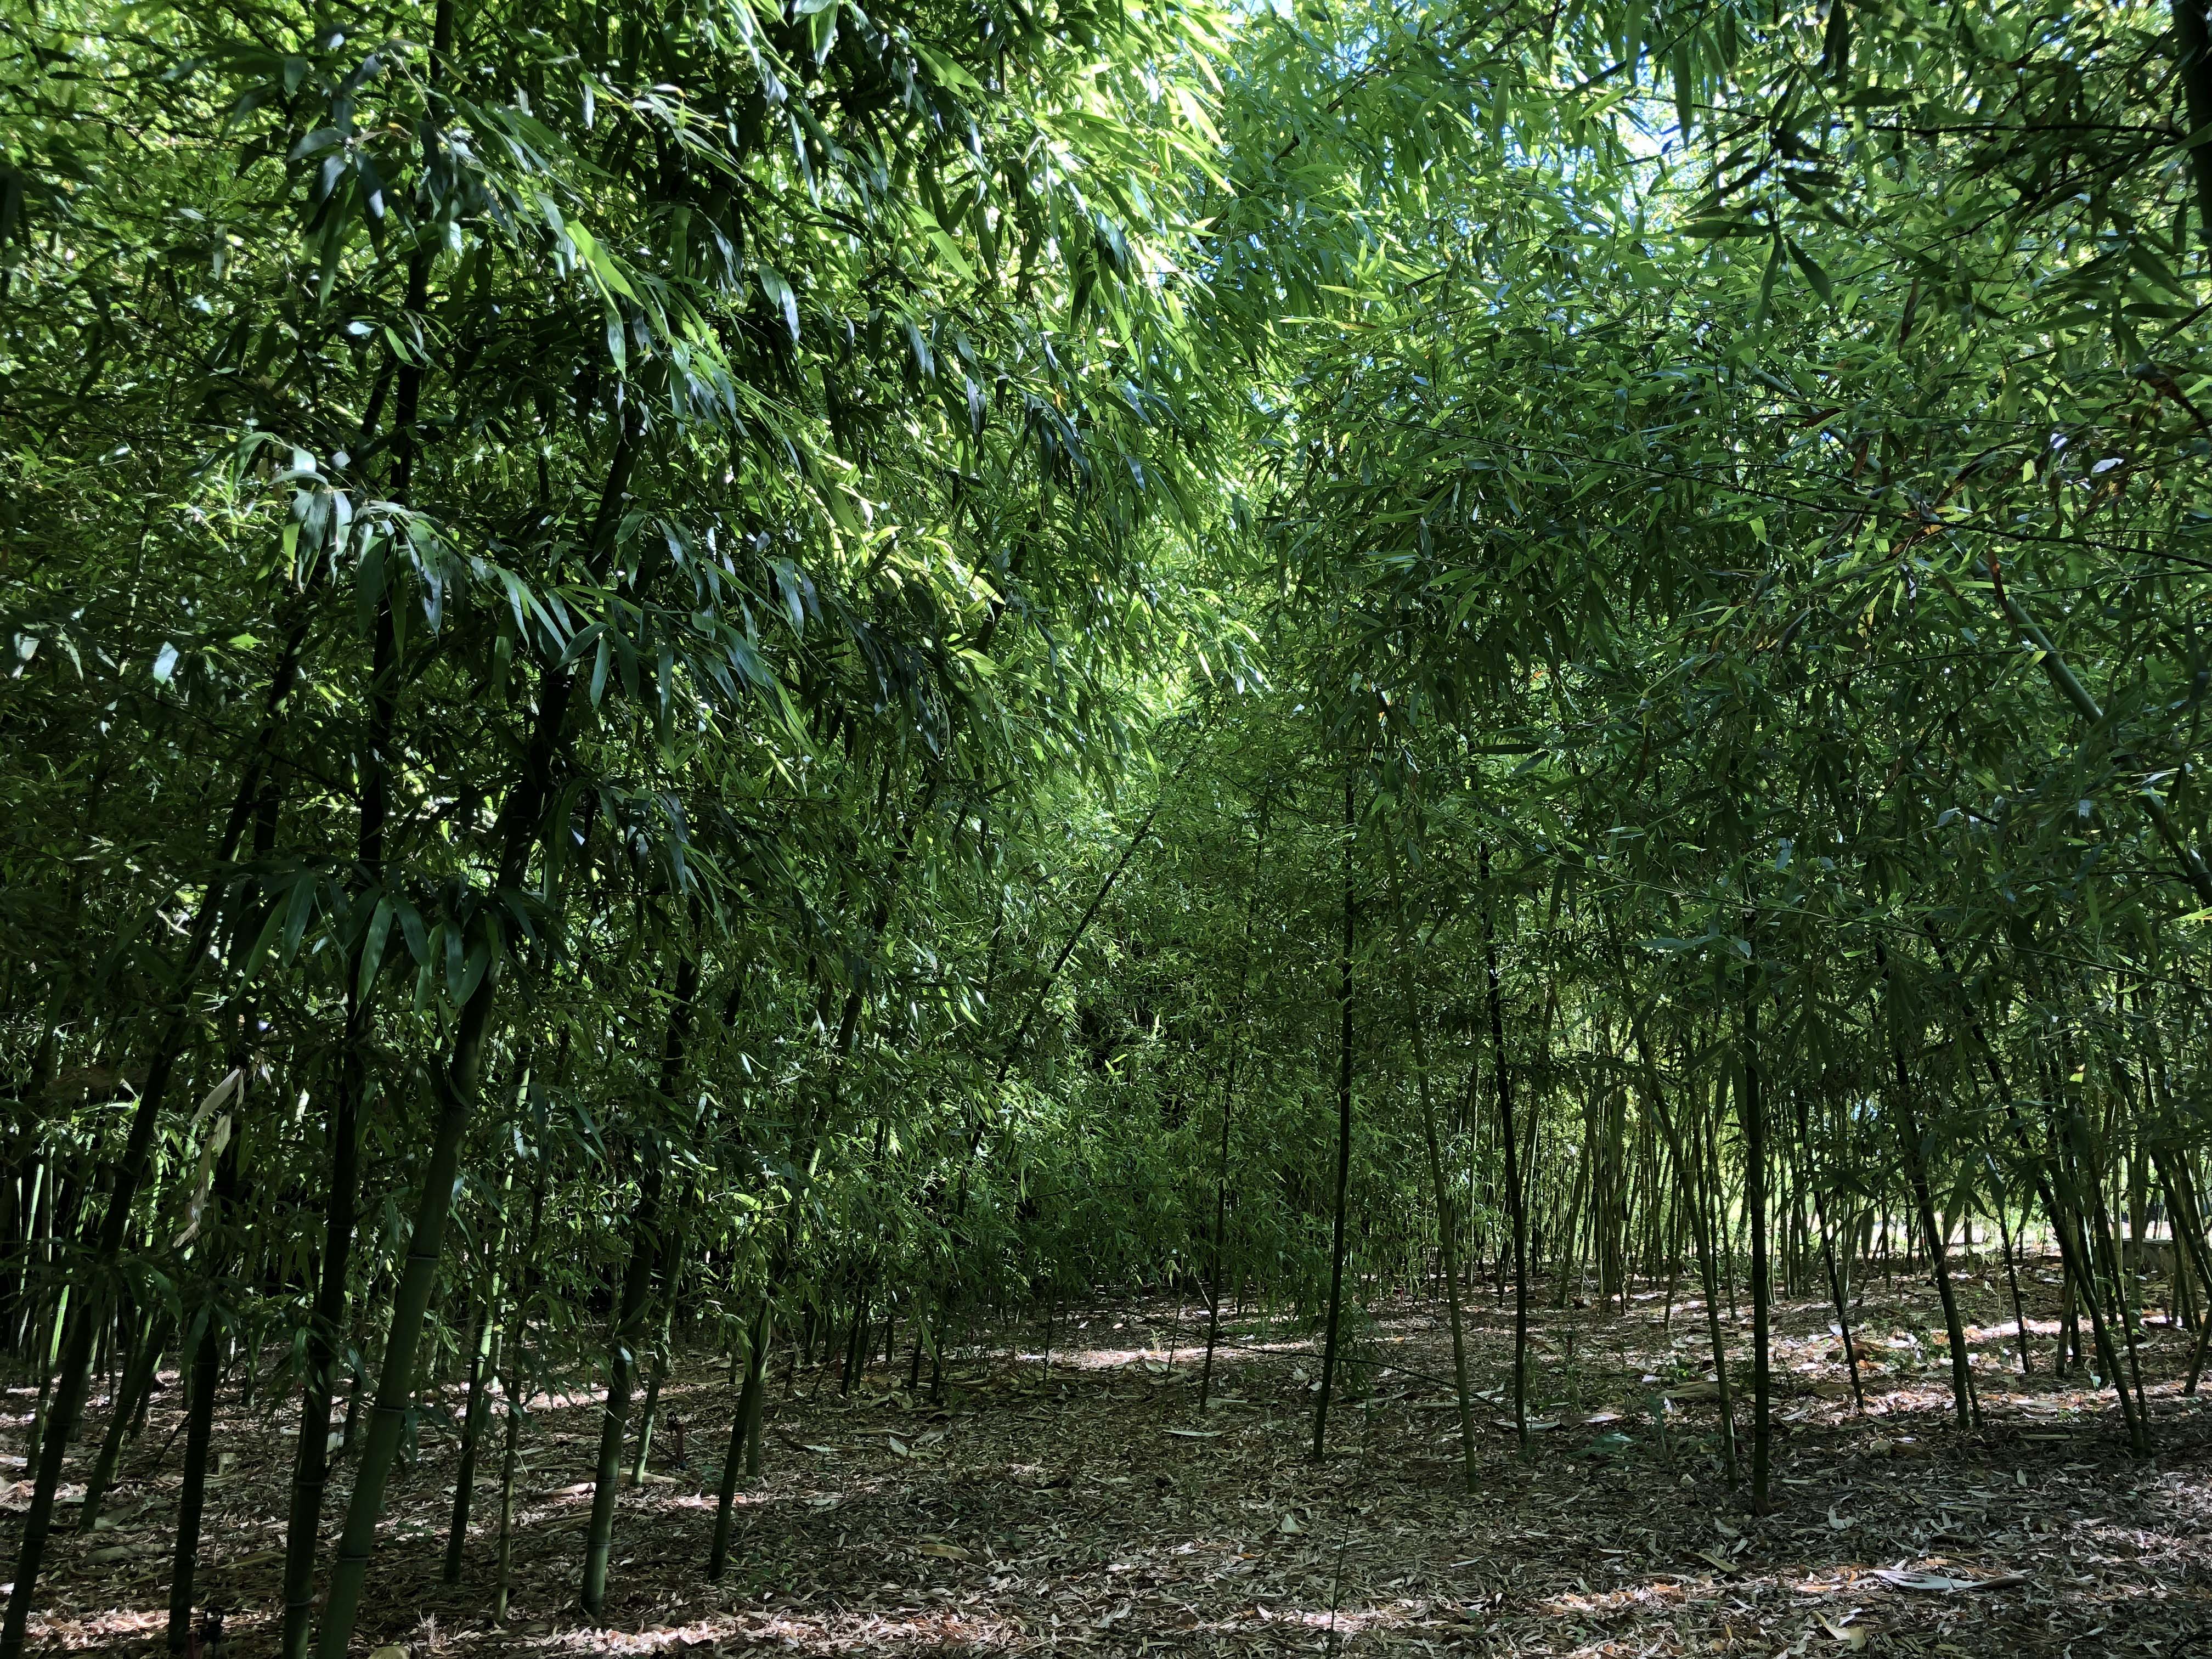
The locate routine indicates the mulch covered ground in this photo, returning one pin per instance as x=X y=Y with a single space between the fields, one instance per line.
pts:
x=1092 y=1506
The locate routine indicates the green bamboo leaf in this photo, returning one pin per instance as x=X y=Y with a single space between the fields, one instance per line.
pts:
x=411 y=928
x=373 y=942
x=1814 y=274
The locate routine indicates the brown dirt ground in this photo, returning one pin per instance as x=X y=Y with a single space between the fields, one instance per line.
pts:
x=1092 y=1507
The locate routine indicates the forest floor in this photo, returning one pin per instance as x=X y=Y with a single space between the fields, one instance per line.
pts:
x=1090 y=1505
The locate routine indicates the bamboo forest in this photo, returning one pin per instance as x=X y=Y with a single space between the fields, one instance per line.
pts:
x=1106 y=827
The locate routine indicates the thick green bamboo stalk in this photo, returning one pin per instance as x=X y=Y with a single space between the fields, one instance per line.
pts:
x=1711 y=1201
x=311 y=1457
x=744 y=1435
x=2193 y=58
x=206 y=1367
x=395 y=1383
x=622 y=1361
x=199 y=1419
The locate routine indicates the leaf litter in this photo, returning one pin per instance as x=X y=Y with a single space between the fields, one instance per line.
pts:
x=1079 y=1506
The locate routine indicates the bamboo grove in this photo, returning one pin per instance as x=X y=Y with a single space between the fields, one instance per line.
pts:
x=776 y=679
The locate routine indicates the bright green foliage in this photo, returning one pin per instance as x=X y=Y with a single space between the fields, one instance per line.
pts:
x=750 y=623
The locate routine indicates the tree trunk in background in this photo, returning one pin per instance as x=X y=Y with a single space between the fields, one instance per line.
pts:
x=2193 y=59
x=1689 y=1178
x=310 y=1459
x=125 y=1410
x=1916 y=1172
x=1820 y=1220
x=206 y=1372
x=509 y=1461
x=1328 y=1356
x=2188 y=1227
x=2049 y=1185
x=2012 y=1282
x=2100 y=1216
x=482 y=1350
x=472 y=1417
x=637 y=1280
x=1515 y=1200
x=1221 y=1169
x=514 y=1382
x=642 y=1452
x=1752 y=1109
x=1213 y=1261
x=1447 y=1247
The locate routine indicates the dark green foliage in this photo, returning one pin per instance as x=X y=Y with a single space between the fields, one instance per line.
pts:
x=696 y=672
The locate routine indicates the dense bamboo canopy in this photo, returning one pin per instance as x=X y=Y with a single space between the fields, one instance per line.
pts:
x=689 y=671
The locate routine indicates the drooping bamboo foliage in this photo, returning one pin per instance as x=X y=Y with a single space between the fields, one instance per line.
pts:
x=779 y=680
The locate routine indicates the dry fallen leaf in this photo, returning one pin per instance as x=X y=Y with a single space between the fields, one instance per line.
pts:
x=1853 y=1636
x=1944 y=1583
x=16 y=1496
